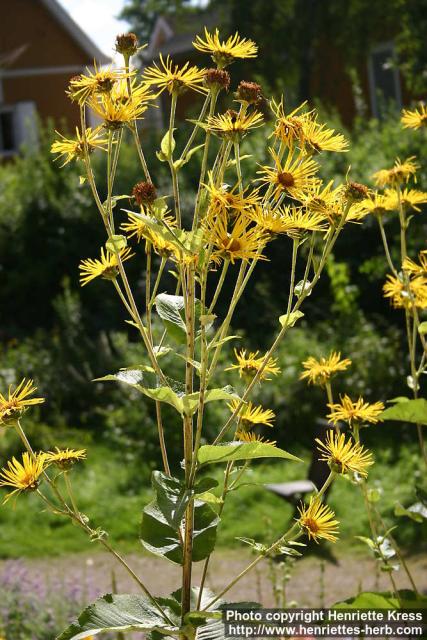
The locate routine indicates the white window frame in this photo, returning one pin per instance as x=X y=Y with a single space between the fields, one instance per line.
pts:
x=384 y=46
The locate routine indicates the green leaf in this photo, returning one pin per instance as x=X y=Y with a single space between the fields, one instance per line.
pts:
x=182 y=161
x=167 y=144
x=171 y=310
x=422 y=328
x=210 y=453
x=191 y=401
x=172 y=497
x=160 y=538
x=119 y=613
x=417 y=512
x=165 y=394
x=289 y=320
x=414 y=411
x=373 y=600
x=116 y=243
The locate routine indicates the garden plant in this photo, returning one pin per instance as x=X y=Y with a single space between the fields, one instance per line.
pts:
x=221 y=237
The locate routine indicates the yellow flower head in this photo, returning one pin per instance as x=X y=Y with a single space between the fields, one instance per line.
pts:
x=233 y=240
x=96 y=82
x=17 y=401
x=318 y=521
x=65 y=458
x=250 y=415
x=410 y=199
x=415 y=119
x=118 y=108
x=410 y=266
x=226 y=51
x=343 y=456
x=317 y=137
x=74 y=149
x=397 y=175
x=107 y=267
x=289 y=128
x=378 y=204
x=249 y=365
x=321 y=371
x=330 y=202
x=23 y=477
x=358 y=411
x=248 y=436
x=168 y=76
x=291 y=220
x=294 y=177
x=232 y=125
x=405 y=295
x=223 y=199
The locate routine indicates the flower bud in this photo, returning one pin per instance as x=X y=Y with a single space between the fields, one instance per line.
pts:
x=144 y=193
x=249 y=92
x=355 y=192
x=217 y=78
x=127 y=44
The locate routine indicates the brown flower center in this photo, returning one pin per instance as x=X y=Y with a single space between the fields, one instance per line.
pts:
x=285 y=179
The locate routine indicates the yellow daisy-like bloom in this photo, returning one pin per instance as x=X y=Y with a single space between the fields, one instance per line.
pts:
x=17 y=401
x=343 y=456
x=117 y=108
x=289 y=128
x=225 y=52
x=378 y=204
x=232 y=125
x=249 y=365
x=410 y=266
x=414 y=119
x=248 y=436
x=405 y=295
x=169 y=77
x=358 y=411
x=330 y=202
x=233 y=240
x=107 y=267
x=291 y=220
x=23 y=477
x=292 y=178
x=317 y=137
x=223 y=198
x=96 y=82
x=318 y=521
x=410 y=199
x=320 y=371
x=65 y=458
x=250 y=415
x=397 y=175
x=74 y=149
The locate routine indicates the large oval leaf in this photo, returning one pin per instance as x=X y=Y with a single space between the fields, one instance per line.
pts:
x=120 y=613
x=374 y=600
x=406 y=410
x=210 y=453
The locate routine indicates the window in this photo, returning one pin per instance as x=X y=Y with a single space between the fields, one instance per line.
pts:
x=18 y=126
x=7 y=131
x=384 y=80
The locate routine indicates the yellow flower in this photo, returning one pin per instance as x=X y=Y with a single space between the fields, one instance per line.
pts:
x=317 y=137
x=343 y=456
x=118 y=108
x=415 y=119
x=397 y=175
x=106 y=267
x=24 y=477
x=378 y=204
x=234 y=240
x=226 y=51
x=17 y=401
x=65 y=458
x=250 y=415
x=249 y=365
x=330 y=202
x=292 y=178
x=321 y=371
x=232 y=125
x=406 y=294
x=168 y=76
x=289 y=127
x=290 y=220
x=100 y=81
x=248 y=436
x=222 y=198
x=358 y=411
x=409 y=199
x=318 y=521
x=74 y=149
x=413 y=268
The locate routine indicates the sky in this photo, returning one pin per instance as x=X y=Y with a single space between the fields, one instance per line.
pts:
x=97 y=19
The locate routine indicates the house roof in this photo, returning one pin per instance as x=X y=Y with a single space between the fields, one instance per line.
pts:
x=78 y=35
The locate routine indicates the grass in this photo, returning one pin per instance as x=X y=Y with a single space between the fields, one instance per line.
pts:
x=105 y=492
